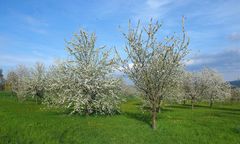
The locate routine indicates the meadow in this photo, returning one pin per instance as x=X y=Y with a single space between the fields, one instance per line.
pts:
x=27 y=122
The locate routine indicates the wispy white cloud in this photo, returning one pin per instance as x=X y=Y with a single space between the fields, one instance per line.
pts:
x=215 y=13
x=39 y=30
x=14 y=51
x=152 y=9
x=158 y=9
x=156 y=4
x=235 y=36
x=33 y=23
x=226 y=62
x=10 y=61
x=13 y=60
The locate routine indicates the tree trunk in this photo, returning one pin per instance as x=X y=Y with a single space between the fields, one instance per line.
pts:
x=192 y=104
x=154 y=117
x=12 y=93
x=159 y=107
x=211 y=104
x=184 y=102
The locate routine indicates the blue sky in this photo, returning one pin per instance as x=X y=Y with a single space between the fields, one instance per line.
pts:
x=35 y=30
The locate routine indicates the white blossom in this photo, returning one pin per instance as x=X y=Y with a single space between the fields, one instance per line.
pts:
x=18 y=80
x=193 y=87
x=155 y=65
x=84 y=83
x=216 y=88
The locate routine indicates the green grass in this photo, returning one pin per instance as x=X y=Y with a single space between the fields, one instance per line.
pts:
x=27 y=122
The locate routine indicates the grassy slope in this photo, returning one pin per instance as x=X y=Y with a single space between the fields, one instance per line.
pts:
x=27 y=123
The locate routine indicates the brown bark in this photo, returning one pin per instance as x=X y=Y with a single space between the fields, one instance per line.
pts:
x=192 y=104
x=211 y=104
x=184 y=102
x=159 y=107
x=154 y=117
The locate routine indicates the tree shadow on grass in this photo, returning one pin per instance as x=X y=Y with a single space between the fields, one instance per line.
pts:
x=201 y=106
x=232 y=113
x=180 y=106
x=139 y=116
x=224 y=114
x=187 y=106
x=137 y=104
x=166 y=109
x=144 y=117
x=226 y=109
x=67 y=113
x=236 y=129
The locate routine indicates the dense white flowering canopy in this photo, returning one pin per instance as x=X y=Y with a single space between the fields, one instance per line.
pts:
x=206 y=85
x=18 y=78
x=27 y=82
x=193 y=86
x=216 y=88
x=155 y=64
x=37 y=81
x=84 y=83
